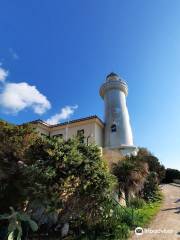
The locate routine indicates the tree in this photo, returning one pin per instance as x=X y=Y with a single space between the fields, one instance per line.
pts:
x=70 y=181
x=131 y=173
x=57 y=183
x=15 y=142
x=150 y=187
x=171 y=174
x=153 y=162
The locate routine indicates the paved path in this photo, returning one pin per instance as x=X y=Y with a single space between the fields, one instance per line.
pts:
x=167 y=219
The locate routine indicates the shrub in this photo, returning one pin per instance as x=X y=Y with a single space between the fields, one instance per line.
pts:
x=136 y=202
x=153 y=162
x=16 y=221
x=146 y=213
x=131 y=173
x=150 y=187
x=54 y=181
x=15 y=142
x=111 y=225
x=171 y=174
x=99 y=232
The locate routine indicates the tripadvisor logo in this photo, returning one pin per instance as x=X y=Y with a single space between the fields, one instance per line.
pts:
x=139 y=231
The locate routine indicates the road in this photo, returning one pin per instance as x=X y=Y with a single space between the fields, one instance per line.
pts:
x=166 y=224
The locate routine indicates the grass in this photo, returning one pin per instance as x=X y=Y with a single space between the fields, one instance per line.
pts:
x=145 y=214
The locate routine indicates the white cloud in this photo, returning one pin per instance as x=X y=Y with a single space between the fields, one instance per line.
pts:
x=3 y=74
x=16 y=97
x=64 y=114
x=13 y=54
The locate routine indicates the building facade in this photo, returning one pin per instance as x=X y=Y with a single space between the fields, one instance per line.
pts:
x=91 y=128
x=114 y=133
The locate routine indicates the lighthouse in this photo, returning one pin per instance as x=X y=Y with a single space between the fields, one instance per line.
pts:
x=117 y=132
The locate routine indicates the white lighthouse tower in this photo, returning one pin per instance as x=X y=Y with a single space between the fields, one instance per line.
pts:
x=118 y=133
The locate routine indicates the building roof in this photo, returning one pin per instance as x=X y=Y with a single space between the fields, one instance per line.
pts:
x=67 y=122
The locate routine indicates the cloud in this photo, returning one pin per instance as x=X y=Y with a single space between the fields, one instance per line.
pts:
x=3 y=74
x=16 y=97
x=13 y=54
x=64 y=114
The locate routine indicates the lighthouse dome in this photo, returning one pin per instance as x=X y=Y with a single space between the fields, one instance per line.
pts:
x=112 y=76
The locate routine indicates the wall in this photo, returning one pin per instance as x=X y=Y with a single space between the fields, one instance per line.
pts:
x=92 y=130
x=99 y=135
x=71 y=131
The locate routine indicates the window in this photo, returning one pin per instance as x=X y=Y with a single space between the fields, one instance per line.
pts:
x=80 y=132
x=43 y=135
x=113 y=128
x=80 y=135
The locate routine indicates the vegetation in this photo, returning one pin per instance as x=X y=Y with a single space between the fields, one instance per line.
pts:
x=61 y=185
x=131 y=173
x=136 y=202
x=71 y=183
x=149 y=210
x=153 y=162
x=68 y=190
x=16 y=220
x=171 y=175
x=150 y=186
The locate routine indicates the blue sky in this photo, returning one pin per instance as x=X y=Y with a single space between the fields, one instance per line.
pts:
x=66 y=48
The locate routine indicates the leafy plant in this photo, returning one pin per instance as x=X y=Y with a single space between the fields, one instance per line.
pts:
x=69 y=184
x=60 y=183
x=171 y=174
x=110 y=225
x=15 y=220
x=14 y=144
x=136 y=202
x=131 y=174
x=153 y=162
x=148 y=211
x=150 y=187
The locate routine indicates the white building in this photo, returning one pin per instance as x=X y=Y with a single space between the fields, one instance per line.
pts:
x=113 y=134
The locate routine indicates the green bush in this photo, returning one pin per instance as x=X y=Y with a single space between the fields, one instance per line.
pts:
x=171 y=174
x=99 y=232
x=15 y=224
x=111 y=224
x=153 y=162
x=150 y=187
x=136 y=202
x=146 y=213
x=60 y=182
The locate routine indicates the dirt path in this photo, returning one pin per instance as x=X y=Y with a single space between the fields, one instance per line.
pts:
x=168 y=218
